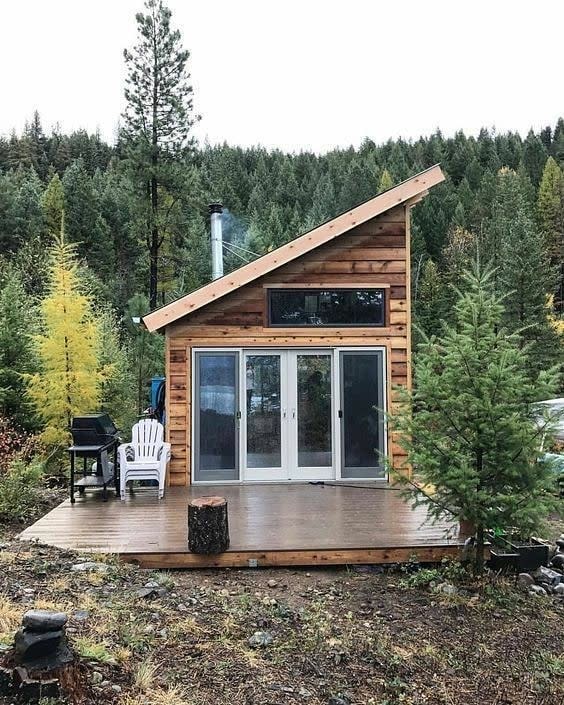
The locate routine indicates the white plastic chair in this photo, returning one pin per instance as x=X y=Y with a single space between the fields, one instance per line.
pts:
x=146 y=457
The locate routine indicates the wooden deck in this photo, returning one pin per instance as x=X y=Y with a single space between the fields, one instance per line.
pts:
x=299 y=524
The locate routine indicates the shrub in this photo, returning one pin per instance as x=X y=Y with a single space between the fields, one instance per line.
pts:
x=19 y=489
x=12 y=442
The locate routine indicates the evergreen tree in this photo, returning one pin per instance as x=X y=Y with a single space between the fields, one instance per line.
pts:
x=69 y=379
x=53 y=202
x=534 y=157
x=469 y=425
x=550 y=214
x=386 y=182
x=158 y=117
x=324 y=202
x=16 y=356
x=27 y=214
x=430 y=303
x=84 y=224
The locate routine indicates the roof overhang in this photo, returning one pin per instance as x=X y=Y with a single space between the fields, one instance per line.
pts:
x=408 y=193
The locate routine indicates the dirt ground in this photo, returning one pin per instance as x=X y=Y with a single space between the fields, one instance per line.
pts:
x=360 y=636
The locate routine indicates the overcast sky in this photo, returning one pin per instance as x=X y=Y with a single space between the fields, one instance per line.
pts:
x=297 y=74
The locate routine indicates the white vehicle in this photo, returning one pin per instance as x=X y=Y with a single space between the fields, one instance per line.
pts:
x=555 y=408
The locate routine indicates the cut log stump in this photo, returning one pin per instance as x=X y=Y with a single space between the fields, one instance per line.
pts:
x=208 y=527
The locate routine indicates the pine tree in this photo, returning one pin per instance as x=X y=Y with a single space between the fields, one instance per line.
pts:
x=430 y=304
x=27 y=213
x=534 y=157
x=523 y=271
x=324 y=201
x=53 y=202
x=84 y=223
x=16 y=355
x=158 y=117
x=70 y=376
x=469 y=428
x=386 y=182
x=550 y=214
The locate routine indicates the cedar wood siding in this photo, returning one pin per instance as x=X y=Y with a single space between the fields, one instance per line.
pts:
x=376 y=252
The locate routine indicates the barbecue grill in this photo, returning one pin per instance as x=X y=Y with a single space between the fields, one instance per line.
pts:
x=94 y=436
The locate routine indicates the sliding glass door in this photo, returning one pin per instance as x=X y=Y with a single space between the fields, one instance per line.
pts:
x=216 y=416
x=361 y=413
x=282 y=415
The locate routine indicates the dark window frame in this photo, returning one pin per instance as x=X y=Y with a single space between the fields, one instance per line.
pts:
x=305 y=291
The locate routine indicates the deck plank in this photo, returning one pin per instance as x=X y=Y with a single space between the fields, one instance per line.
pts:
x=301 y=522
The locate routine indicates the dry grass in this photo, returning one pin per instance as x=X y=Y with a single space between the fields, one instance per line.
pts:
x=10 y=615
x=144 y=675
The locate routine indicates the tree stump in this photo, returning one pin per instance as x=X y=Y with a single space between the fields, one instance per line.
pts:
x=208 y=527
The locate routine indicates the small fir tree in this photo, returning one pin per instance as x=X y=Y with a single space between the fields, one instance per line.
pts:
x=386 y=181
x=69 y=380
x=469 y=427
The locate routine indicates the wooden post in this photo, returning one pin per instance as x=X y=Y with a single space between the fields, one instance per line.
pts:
x=208 y=527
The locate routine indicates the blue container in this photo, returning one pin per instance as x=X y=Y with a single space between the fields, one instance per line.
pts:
x=156 y=383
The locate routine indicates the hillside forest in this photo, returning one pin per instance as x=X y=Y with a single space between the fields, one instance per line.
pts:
x=135 y=215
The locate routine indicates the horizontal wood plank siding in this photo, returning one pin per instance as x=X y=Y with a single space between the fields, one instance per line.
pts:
x=374 y=254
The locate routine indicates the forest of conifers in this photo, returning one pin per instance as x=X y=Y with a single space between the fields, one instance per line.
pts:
x=502 y=202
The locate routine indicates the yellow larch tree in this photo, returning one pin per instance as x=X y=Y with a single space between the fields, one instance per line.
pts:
x=70 y=377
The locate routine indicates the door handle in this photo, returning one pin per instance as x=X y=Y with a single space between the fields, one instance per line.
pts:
x=340 y=413
x=293 y=413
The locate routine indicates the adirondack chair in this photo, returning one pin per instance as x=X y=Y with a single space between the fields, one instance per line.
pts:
x=146 y=457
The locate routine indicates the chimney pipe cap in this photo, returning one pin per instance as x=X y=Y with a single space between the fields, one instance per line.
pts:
x=215 y=207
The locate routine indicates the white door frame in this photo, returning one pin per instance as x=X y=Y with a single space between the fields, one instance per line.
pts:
x=295 y=472
x=265 y=474
x=335 y=405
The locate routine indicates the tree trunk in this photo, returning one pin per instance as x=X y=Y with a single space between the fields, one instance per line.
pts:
x=479 y=558
x=208 y=527
x=155 y=244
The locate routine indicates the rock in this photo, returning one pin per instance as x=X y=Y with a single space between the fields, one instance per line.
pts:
x=260 y=640
x=272 y=583
x=338 y=700
x=547 y=576
x=81 y=615
x=44 y=620
x=304 y=693
x=537 y=590
x=96 y=678
x=525 y=580
x=34 y=645
x=559 y=589
x=446 y=589
x=89 y=566
x=181 y=608
x=116 y=688
x=560 y=542
x=558 y=561
x=146 y=593
x=152 y=584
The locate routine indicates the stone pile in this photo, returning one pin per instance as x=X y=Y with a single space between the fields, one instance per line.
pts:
x=40 y=651
x=547 y=580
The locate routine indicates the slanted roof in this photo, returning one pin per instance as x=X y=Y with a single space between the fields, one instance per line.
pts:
x=411 y=189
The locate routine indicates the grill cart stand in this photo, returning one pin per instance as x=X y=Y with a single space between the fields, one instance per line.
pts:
x=89 y=480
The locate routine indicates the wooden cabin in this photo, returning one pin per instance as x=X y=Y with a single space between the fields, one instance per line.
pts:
x=278 y=376
x=281 y=370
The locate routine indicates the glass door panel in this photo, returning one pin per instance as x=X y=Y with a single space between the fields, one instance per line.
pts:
x=362 y=420
x=314 y=411
x=263 y=412
x=216 y=431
